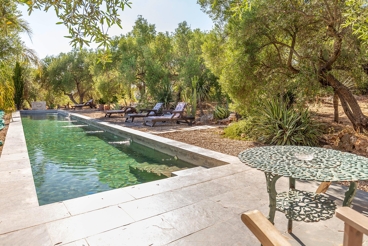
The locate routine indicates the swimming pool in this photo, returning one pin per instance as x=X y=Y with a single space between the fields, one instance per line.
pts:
x=70 y=158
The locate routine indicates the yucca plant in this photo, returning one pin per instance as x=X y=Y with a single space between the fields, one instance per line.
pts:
x=221 y=112
x=279 y=125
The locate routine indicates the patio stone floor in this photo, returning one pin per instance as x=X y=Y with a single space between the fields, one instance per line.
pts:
x=200 y=207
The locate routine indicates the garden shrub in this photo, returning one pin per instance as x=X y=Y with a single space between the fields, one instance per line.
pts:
x=242 y=129
x=279 y=125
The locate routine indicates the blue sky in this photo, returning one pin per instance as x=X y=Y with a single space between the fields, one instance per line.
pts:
x=48 y=38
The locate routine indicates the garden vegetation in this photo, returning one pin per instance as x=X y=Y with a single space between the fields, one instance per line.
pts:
x=258 y=53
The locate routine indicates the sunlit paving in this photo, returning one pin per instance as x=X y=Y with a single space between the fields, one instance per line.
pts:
x=183 y=123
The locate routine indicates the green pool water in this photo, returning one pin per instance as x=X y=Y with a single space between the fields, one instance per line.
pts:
x=70 y=159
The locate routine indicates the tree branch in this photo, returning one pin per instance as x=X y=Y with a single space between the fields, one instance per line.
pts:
x=291 y=52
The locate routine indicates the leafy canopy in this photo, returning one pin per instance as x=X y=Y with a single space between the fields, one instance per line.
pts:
x=87 y=20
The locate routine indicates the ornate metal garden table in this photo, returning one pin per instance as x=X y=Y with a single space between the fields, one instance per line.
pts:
x=305 y=163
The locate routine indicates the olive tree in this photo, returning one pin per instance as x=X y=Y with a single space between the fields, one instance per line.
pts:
x=70 y=73
x=270 y=46
x=87 y=20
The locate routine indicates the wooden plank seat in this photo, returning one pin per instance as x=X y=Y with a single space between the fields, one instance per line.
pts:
x=171 y=116
x=355 y=225
x=89 y=103
x=145 y=112
x=263 y=229
x=122 y=111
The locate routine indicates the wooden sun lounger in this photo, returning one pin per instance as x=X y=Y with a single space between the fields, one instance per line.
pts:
x=145 y=112
x=89 y=103
x=175 y=115
x=122 y=111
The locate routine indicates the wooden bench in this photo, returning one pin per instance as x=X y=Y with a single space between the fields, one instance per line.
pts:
x=263 y=229
x=356 y=225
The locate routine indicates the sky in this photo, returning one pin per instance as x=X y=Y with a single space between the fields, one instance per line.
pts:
x=48 y=38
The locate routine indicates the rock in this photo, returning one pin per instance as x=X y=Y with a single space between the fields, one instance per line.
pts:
x=233 y=117
x=346 y=138
x=353 y=139
x=345 y=142
x=206 y=118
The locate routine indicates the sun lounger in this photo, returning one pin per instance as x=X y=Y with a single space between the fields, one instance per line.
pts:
x=89 y=103
x=145 y=112
x=122 y=111
x=174 y=115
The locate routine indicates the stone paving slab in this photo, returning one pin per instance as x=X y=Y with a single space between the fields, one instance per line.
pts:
x=33 y=216
x=37 y=235
x=198 y=208
x=152 y=231
x=14 y=165
x=84 y=225
x=97 y=201
x=81 y=242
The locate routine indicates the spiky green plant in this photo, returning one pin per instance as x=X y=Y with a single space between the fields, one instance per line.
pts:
x=221 y=112
x=279 y=125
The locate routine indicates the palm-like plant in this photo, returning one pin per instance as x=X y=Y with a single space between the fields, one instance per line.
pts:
x=11 y=49
x=279 y=125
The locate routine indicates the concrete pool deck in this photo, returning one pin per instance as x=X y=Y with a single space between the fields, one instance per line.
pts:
x=197 y=207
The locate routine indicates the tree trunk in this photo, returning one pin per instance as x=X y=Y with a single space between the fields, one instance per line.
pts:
x=336 y=107
x=70 y=95
x=348 y=103
x=79 y=91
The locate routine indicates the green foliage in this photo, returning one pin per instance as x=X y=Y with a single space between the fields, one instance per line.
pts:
x=163 y=92
x=241 y=130
x=6 y=96
x=277 y=124
x=11 y=49
x=11 y=25
x=18 y=85
x=357 y=17
x=270 y=46
x=108 y=84
x=143 y=65
x=87 y=20
x=191 y=98
x=221 y=112
x=70 y=74
x=191 y=66
x=6 y=88
x=101 y=101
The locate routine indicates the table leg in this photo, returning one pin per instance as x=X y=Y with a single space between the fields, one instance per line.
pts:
x=323 y=187
x=350 y=193
x=291 y=187
x=271 y=189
